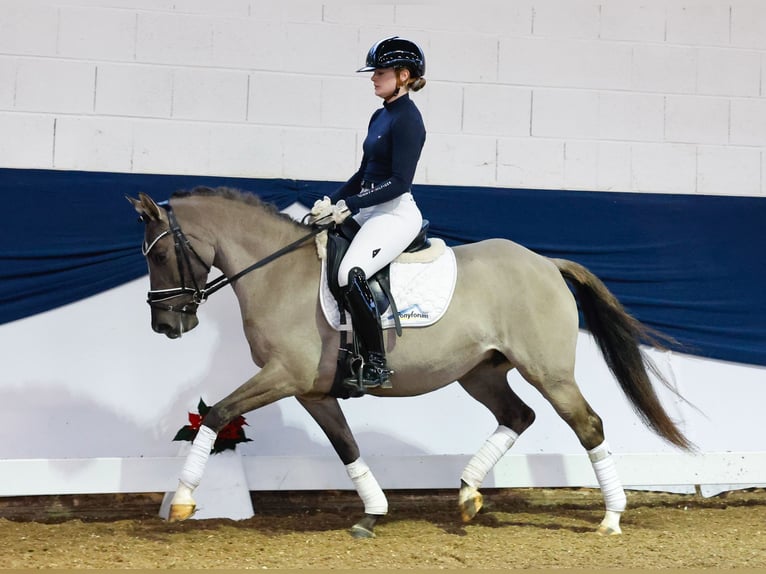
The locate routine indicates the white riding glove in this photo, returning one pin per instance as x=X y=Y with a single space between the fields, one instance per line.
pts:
x=340 y=212
x=322 y=209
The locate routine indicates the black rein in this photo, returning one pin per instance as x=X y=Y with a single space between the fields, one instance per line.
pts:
x=183 y=248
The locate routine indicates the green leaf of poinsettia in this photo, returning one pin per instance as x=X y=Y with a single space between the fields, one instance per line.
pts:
x=202 y=408
x=185 y=433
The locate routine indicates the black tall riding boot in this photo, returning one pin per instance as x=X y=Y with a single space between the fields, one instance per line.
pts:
x=372 y=371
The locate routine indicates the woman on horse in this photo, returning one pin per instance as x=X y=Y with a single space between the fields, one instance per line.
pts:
x=378 y=195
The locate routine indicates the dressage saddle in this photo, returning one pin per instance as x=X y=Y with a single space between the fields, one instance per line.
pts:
x=338 y=240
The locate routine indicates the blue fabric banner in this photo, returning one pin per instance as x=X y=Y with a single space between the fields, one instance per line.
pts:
x=690 y=266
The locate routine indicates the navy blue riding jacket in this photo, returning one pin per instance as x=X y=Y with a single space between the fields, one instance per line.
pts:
x=395 y=138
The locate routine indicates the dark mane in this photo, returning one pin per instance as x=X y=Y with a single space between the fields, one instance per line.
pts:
x=238 y=195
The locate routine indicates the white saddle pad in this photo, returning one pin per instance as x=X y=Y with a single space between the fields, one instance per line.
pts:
x=422 y=285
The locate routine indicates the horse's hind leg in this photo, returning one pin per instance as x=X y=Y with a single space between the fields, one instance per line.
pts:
x=487 y=383
x=569 y=403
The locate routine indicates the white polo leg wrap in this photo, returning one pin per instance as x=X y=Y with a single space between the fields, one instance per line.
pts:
x=606 y=474
x=194 y=466
x=369 y=490
x=490 y=452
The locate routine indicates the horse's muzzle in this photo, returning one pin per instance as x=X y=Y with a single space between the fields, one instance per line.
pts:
x=173 y=325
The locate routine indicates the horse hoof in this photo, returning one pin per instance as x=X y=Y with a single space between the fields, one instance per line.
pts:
x=359 y=531
x=470 y=507
x=179 y=512
x=608 y=531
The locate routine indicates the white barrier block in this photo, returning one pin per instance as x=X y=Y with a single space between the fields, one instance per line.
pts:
x=223 y=492
x=240 y=474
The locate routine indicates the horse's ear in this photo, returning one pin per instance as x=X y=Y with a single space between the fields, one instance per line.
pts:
x=146 y=207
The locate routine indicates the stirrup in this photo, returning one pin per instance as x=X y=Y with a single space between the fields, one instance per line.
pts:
x=367 y=375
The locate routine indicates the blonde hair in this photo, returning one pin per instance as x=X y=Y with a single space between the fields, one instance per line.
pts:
x=414 y=84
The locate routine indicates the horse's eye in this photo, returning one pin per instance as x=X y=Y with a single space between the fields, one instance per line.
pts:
x=159 y=256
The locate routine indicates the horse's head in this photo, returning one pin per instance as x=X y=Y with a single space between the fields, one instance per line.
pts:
x=177 y=274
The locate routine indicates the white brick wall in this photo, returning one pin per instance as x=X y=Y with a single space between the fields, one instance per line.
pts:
x=212 y=95
x=92 y=143
x=727 y=72
x=49 y=85
x=694 y=119
x=631 y=21
x=26 y=140
x=655 y=96
x=7 y=82
x=92 y=33
x=134 y=90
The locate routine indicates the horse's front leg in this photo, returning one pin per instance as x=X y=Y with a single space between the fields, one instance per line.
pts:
x=269 y=385
x=327 y=413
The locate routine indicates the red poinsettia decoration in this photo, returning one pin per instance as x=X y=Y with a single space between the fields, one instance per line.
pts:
x=228 y=437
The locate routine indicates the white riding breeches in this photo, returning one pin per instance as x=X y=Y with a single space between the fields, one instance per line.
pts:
x=386 y=231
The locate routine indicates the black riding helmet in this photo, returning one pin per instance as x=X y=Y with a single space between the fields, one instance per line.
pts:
x=396 y=52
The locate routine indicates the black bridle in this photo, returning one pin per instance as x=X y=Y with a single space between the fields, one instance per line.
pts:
x=158 y=298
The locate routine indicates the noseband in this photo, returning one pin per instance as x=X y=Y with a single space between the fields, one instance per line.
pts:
x=157 y=298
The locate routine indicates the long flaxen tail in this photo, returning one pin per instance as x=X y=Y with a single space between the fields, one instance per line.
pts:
x=619 y=335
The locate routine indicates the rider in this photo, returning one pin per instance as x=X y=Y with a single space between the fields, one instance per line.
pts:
x=378 y=195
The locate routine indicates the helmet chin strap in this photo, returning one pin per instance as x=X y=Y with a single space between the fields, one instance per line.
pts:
x=399 y=85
